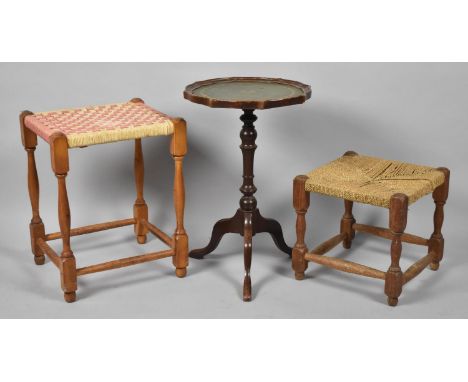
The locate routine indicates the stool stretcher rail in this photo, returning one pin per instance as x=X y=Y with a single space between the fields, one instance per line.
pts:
x=345 y=266
x=125 y=262
x=159 y=234
x=328 y=245
x=49 y=252
x=387 y=234
x=417 y=268
x=92 y=228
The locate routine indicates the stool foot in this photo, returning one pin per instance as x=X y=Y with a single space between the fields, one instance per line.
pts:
x=181 y=272
x=141 y=239
x=392 y=301
x=299 y=275
x=69 y=296
x=39 y=260
x=434 y=266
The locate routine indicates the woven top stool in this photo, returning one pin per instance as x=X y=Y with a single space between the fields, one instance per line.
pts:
x=66 y=129
x=384 y=183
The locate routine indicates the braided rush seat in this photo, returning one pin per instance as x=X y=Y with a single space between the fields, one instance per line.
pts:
x=101 y=124
x=384 y=183
x=370 y=180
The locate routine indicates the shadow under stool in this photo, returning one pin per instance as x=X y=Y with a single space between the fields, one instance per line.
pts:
x=66 y=129
x=390 y=184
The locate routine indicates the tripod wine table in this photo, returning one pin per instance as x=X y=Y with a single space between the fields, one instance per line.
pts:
x=248 y=94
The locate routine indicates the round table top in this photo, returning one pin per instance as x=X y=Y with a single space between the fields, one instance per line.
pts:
x=247 y=92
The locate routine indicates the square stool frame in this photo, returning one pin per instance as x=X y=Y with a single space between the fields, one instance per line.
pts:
x=66 y=262
x=398 y=212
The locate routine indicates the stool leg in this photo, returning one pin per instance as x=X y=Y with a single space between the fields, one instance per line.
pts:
x=301 y=201
x=178 y=150
x=346 y=225
x=436 y=241
x=59 y=154
x=36 y=227
x=140 y=209
x=398 y=218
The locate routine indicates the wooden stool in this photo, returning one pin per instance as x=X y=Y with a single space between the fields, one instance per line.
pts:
x=66 y=129
x=390 y=184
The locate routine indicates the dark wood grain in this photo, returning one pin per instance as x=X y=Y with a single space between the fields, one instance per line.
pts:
x=248 y=94
x=398 y=213
x=347 y=221
x=301 y=201
x=251 y=104
x=247 y=219
x=248 y=233
x=248 y=135
x=436 y=241
x=273 y=228
x=346 y=224
x=234 y=224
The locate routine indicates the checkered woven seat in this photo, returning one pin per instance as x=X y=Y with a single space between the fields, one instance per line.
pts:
x=372 y=180
x=65 y=129
x=101 y=124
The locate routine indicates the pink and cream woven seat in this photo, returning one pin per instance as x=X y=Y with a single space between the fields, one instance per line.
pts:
x=101 y=124
x=92 y=125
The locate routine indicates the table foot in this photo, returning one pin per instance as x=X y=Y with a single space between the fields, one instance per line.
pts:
x=247 y=293
x=248 y=233
x=272 y=227
x=234 y=224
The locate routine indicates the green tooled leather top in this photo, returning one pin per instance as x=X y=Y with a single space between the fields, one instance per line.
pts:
x=247 y=91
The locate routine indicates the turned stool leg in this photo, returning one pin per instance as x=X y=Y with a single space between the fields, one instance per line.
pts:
x=180 y=238
x=140 y=209
x=398 y=218
x=36 y=227
x=436 y=241
x=301 y=201
x=347 y=220
x=346 y=225
x=59 y=154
